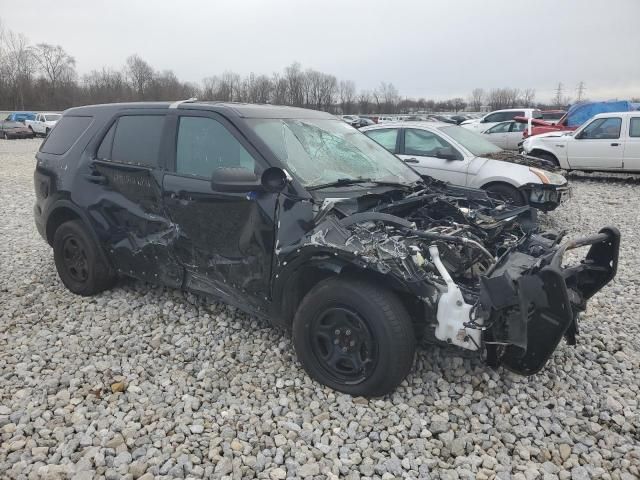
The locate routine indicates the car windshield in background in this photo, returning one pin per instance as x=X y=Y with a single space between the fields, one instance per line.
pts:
x=52 y=118
x=473 y=142
x=324 y=151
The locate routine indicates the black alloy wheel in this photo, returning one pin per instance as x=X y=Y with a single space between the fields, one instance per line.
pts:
x=343 y=345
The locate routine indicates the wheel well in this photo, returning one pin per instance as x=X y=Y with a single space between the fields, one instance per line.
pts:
x=57 y=218
x=309 y=276
x=491 y=184
x=538 y=151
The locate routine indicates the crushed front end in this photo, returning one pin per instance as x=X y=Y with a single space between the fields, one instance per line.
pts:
x=486 y=278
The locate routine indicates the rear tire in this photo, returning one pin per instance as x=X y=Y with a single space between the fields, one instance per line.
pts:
x=79 y=262
x=354 y=336
x=507 y=193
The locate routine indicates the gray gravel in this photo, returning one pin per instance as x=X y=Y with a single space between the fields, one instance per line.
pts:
x=203 y=391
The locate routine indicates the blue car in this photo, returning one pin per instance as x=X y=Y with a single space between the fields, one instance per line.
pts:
x=20 y=116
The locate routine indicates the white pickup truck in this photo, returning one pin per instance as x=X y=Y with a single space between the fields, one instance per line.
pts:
x=608 y=142
x=43 y=123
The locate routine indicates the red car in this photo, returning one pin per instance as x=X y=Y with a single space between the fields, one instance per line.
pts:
x=10 y=129
x=547 y=123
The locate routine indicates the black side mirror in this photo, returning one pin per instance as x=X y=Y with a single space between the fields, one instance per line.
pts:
x=446 y=153
x=234 y=179
x=274 y=179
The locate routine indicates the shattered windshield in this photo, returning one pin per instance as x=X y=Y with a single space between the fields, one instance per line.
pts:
x=472 y=141
x=324 y=151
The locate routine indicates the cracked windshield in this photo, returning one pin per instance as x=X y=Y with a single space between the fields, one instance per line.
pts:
x=324 y=151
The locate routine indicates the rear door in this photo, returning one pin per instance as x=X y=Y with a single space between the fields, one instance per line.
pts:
x=598 y=145
x=225 y=240
x=632 y=145
x=419 y=149
x=515 y=135
x=124 y=201
x=387 y=137
x=498 y=134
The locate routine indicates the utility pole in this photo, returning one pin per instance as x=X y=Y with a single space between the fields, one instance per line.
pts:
x=558 y=96
x=581 y=88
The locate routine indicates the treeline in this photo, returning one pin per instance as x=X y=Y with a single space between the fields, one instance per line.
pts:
x=44 y=77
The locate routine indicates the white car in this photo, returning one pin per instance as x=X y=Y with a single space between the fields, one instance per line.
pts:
x=506 y=135
x=608 y=142
x=492 y=118
x=456 y=155
x=385 y=119
x=349 y=118
x=43 y=122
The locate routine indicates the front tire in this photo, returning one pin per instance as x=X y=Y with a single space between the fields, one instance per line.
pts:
x=78 y=260
x=507 y=193
x=354 y=336
x=547 y=157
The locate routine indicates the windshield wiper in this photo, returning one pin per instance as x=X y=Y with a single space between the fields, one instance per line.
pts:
x=343 y=182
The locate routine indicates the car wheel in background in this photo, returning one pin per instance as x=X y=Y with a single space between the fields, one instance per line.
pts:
x=80 y=265
x=507 y=193
x=354 y=336
x=46 y=132
x=4 y=135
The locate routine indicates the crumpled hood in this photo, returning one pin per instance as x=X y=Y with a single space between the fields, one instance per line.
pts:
x=505 y=156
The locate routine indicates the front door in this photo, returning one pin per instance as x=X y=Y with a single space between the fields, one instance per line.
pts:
x=225 y=240
x=420 y=149
x=498 y=134
x=632 y=146
x=597 y=146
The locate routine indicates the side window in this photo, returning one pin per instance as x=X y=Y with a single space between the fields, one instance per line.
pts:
x=494 y=117
x=518 y=127
x=634 y=127
x=602 y=129
x=423 y=143
x=137 y=139
x=65 y=134
x=500 y=128
x=104 y=151
x=204 y=144
x=538 y=114
x=512 y=115
x=385 y=136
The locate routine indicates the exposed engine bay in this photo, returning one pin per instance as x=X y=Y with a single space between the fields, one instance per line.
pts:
x=488 y=279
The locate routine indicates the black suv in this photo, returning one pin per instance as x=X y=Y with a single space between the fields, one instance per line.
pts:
x=294 y=216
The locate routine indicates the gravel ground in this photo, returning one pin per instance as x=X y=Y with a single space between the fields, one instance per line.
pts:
x=143 y=381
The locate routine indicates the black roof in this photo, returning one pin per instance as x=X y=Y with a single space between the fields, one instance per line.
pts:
x=242 y=110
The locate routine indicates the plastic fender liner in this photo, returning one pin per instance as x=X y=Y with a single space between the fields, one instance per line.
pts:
x=546 y=314
x=546 y=303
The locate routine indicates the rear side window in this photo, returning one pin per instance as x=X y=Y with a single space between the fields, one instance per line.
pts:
x=65 y=134
x=133 y=139
x=634 y=127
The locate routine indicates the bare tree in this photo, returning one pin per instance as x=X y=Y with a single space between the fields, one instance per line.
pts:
x=476 y=100
x=458 y=104
x=280 y=90
x=528 y=97
x=295 y=84
x=19 y=65
x=140 y=74
x=54 y=63
x=364 y=102
x=347 y=94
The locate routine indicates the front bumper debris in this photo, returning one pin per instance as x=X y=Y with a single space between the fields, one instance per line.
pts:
x=546 y=197
x=532 y=302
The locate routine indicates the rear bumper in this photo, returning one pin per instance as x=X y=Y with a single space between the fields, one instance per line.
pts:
x=532 y=302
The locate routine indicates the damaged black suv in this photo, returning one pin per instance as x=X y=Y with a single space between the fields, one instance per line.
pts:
x=294 y=216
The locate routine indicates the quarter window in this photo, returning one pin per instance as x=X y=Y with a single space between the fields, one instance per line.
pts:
x=602 y=129
x=423 y=143
x=65 y=134
x=385 y=136
x=634 y=127
x=204 y=144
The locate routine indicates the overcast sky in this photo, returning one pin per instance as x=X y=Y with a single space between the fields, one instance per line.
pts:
x=432 y=49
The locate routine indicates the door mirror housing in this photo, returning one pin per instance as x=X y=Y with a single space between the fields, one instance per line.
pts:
x=241 y=180
x=274 y=179
x=446 y=153
x=234 y=179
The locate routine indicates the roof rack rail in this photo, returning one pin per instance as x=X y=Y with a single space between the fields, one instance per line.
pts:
x=189 y=100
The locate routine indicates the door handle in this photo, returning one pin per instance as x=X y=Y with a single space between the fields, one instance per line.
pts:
x=99 y=179
x=411 y=160
x=615 y=144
